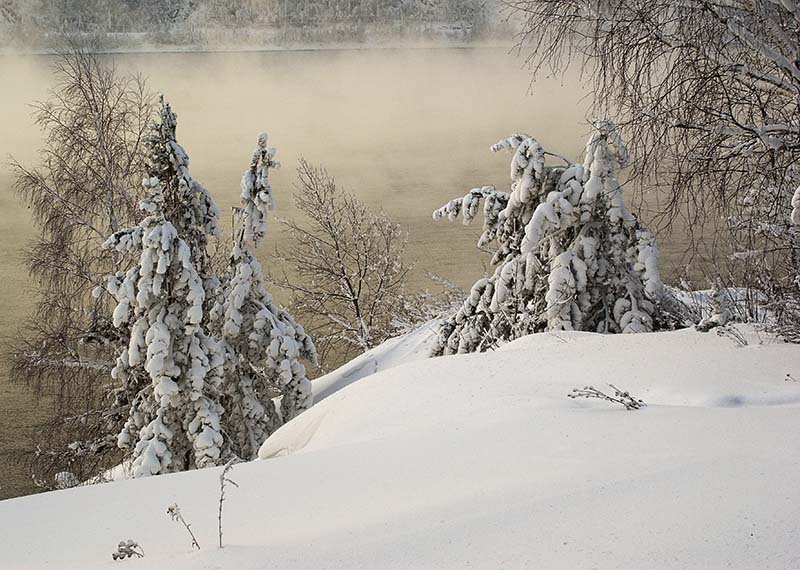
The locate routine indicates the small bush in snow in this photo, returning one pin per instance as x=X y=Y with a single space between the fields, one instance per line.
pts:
x=66 y=480
x=619 y=397
x=721 y=310
x=128 y=549
x=569 y=254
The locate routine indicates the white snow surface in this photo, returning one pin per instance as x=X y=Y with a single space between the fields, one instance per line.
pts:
x=415 y=345
x=481 y=461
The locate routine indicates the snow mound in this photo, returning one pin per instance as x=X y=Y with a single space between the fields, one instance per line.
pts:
x=415 y=345
x=537 y=372
x=481 y=461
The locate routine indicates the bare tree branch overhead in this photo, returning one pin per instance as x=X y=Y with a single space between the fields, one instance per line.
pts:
x=707 y=93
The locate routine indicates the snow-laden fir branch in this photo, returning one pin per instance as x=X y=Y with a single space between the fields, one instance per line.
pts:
x=570 y=255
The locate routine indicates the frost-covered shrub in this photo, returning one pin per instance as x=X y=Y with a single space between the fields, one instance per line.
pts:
x=421 y=307
x=569 y=254
x=171 y=369
x=128 y=549
x=66 y=480
x=263 y=345
x=619 y=397
x=345 y=267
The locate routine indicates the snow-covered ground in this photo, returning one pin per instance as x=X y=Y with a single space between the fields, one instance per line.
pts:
x=416 y=345
x=481 y=461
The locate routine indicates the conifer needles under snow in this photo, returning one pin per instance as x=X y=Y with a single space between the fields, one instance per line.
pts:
x=569 y=254
x=263 y=345
x=171 y=369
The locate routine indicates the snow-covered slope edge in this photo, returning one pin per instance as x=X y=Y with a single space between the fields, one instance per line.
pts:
x=482 y=461
x=415 y=345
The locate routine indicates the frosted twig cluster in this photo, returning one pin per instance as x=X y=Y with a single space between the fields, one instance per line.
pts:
x=128 y=549
x=619 y=397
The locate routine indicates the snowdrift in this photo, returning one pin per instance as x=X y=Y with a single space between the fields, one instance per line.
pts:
x=481 y=461
x=415 y=345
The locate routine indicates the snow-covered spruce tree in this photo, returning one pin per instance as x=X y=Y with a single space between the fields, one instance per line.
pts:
x=171 y=369
x=570 y=255
x=263 y=344
x=707 y=92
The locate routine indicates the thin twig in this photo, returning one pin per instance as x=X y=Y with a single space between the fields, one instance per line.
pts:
x=223 y=479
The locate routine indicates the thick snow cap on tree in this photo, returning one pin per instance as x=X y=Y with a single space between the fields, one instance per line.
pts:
x=184 y=201
x=263 y=344
x=171 y=369
x=569 y=253
x=257 y=197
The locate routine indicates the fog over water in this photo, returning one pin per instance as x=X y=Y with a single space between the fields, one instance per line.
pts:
x=403 y=129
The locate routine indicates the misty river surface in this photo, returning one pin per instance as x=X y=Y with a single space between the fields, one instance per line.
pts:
x=403 y=129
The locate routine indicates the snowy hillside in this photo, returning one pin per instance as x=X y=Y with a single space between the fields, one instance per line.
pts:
x=481 y=461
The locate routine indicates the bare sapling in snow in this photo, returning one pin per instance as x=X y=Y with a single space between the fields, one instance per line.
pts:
x=569 y=254
x=262 y=343
x=170 y=368
x=174 y=512
x=345 y=270
x=618 y=397
x=85 y=187
x=128 y=549
x=224 y=480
